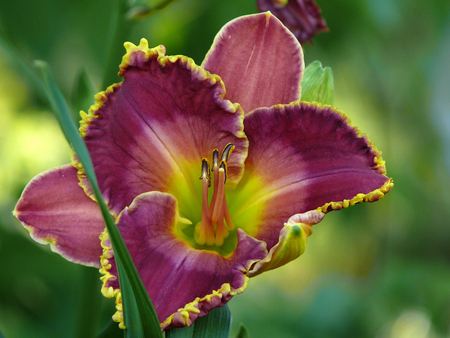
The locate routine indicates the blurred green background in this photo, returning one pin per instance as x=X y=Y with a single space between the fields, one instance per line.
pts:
x=373 y=270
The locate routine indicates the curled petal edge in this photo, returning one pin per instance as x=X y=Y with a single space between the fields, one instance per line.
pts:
x=191 y=311
x=291 y=243
x=110 y=292
x=184 y=316
x=372 y=196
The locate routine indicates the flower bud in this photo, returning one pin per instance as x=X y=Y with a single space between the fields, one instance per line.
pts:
x=318 y=84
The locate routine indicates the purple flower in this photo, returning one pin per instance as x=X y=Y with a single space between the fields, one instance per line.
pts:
x=270 y=167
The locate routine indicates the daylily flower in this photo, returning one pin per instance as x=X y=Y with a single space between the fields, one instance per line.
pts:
x=302 y=17
x=270 y=167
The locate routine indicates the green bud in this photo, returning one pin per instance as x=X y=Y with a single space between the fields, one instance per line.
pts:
x=139 y=12
x=318 y=84
x=141 y=9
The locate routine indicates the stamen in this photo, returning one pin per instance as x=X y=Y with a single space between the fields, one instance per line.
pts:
x=230 y=223
x=227 y=152
x=220 y=197
x=215 y=159
x=221 y=231
x=215 y=168
x=206 y=233
x=206 y=173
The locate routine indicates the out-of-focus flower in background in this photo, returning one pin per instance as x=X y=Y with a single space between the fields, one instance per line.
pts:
x=302 y=17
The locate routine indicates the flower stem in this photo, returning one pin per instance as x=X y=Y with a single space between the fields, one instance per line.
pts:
x=89 y=306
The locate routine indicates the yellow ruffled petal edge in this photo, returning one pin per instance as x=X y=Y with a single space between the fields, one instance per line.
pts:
x=373 y=196
x=184 y=316
x=110 y=292
x=140 y=54
x=144 y=53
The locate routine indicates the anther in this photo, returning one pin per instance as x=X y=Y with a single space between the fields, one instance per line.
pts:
x=215 y=160
x=227 y=152
x=206 y=173
x=223 y=165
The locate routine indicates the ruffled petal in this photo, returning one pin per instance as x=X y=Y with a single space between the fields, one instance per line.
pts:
x=302 y=17
x=152 y=131
x=291 y=243
x=304 y=157
x=259 y=60
x=183 y=283
x=56 y=211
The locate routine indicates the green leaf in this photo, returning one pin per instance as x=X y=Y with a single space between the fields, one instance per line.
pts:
x=184 y=332
x=111 y=331
x=141 y=9
x=88 y=315
x=318 y=84
x=139 y=313
x=243 y=332
x=82 y=92
x=216 y=324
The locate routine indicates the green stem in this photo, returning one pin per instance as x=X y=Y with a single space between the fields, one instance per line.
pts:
x=89 y=314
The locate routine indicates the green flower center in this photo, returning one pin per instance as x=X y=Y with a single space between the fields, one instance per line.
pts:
x=214 y=230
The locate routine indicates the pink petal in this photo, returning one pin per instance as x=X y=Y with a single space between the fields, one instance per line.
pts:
x=259 y=60
x=56 y=211
x=152 y=131
x=183 y=283
x=306 y=157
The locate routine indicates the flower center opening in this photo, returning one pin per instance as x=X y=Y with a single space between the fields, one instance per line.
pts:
x=216 y=220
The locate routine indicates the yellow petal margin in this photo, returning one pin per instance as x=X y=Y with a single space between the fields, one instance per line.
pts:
x=373 y=196
x=110 y=292
x=182 y=317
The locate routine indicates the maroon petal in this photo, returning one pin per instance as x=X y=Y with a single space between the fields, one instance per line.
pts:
x=56 y=211
x=301 y=17
x=305 y=157
x=183 y=283
x=152 y=131
x=259 y=60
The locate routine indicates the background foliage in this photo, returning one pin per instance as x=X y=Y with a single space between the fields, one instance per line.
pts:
x=378 y=270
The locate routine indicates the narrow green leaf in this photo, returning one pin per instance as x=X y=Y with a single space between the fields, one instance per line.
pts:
x=139 y=313
x=82 y=92
x=216 y=324
x=243 y=332
x=184 y=332
x=141 y=9
x=111 y=331
x=318 y=84
x=88 y=315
